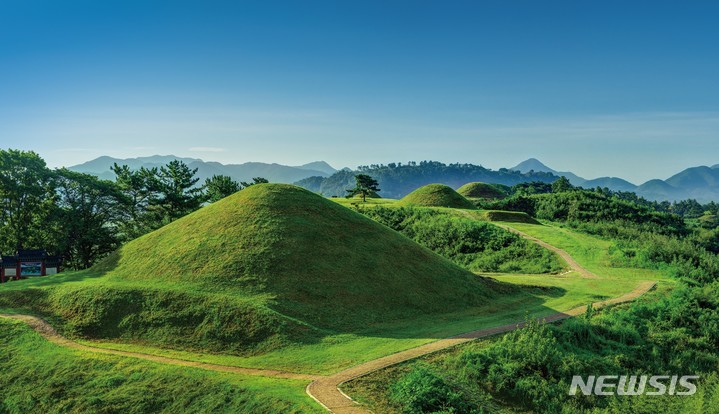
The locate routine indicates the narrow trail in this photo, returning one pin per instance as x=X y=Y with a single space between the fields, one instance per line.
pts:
x=325 y=390
x=48 y=332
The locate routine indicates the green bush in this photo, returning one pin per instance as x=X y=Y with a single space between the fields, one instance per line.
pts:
x=423 y=391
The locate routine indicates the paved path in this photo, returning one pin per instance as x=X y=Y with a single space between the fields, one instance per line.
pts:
x=49 y=333
x=325 y=390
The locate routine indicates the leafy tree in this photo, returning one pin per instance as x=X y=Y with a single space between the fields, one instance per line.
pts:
x=256 y=180
x=365 y=186
x=534 y=187
x=178 y=192
x=26 y=194
x=86 y=212
x=562 y=185
x=219 y=187
x=138 y=191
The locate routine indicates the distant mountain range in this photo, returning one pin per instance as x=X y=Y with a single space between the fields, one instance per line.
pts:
x=276 y=173
x=700 y=183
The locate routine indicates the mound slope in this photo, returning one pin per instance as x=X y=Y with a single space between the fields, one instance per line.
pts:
x=481 y=190
x=436 y=195
x=315 y=260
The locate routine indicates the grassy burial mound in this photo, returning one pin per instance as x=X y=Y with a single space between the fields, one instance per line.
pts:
x=270 y=265
x=482 y=191
x=436 y=195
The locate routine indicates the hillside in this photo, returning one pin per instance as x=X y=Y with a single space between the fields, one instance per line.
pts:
x=660 y=190
x=535 y=165
x=613 y=183
x=205 y=169
x=436 y=195
x=481 y=190
x=320 y=262
x=695 y=178
x=700 y=183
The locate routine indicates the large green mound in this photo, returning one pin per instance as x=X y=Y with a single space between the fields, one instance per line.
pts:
x=316 y=261
x=481 y=190
x=436 y=195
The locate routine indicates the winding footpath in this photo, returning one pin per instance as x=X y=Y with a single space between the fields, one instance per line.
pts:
x=325 y=389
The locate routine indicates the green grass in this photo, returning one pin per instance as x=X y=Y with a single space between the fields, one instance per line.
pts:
x=507 y=216
x=436 y=195
x=481 y=191
x=38 y=376
x=597 y=255
x=86 y=304
x=558 y=292
x=272 y=267
x=350 y=202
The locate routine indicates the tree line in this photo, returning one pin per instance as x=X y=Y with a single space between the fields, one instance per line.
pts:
x=83 y=218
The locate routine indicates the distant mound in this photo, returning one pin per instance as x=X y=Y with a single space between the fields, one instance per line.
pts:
x=314 y=260
x=436 y=195
x=481 y=190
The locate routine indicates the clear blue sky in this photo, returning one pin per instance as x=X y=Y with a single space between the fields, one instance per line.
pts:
x=622 y=88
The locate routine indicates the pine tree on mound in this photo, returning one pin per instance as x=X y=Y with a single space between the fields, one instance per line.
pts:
x=436 y=195
x=314 y=260
x=481 y=190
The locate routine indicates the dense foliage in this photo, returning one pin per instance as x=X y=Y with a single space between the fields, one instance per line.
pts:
x=577 y=205
x=83 y=218
x=475 y=245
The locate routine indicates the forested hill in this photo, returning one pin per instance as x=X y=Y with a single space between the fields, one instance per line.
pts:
x=398 y=180
x=278 y=173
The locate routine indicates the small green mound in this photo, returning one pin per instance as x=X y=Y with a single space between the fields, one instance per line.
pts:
x=509 y=216
x=481 y=191
x=436 y=195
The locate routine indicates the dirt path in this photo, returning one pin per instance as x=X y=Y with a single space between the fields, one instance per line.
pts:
x=563 y=254
x=49 y=333
x=325 y=390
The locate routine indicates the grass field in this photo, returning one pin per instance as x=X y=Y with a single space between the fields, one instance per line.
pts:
x=350 y=202
x=161 y=315
x=507 y=216
x=596 y=255
x=540 y=295
x=38 y=376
